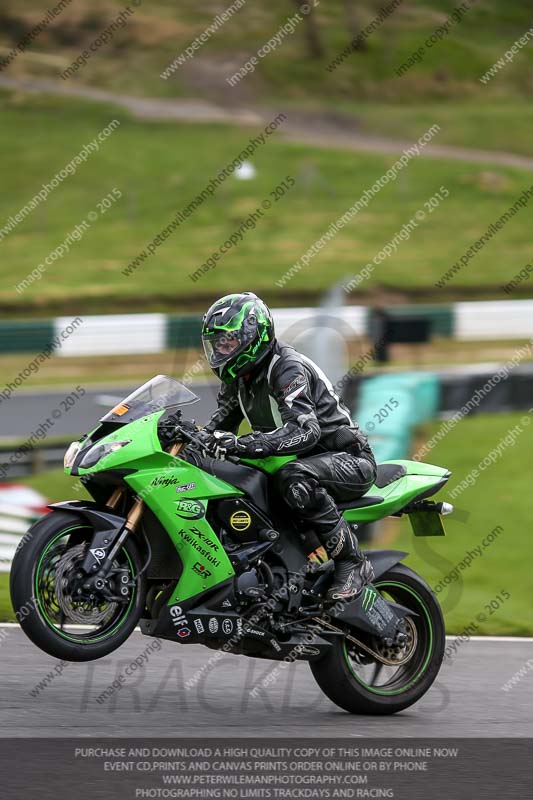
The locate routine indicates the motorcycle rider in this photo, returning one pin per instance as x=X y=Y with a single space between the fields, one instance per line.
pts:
x=292 y=409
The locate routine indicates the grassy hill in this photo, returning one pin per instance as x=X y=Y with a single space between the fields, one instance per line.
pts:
x=157 y=32
x=161 y=167
x=364 y=90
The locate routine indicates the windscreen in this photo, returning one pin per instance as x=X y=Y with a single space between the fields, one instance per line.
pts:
x=158 y=393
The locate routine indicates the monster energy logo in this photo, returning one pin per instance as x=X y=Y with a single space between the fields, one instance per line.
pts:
x=369 y=598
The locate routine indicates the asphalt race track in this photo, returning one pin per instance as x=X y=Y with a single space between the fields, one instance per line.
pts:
x=466 y=701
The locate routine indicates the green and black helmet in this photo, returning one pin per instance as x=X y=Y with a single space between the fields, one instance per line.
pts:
x=237 y=333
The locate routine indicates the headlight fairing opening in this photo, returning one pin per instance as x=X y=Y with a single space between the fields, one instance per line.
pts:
x=99 y=451
x=71 y=454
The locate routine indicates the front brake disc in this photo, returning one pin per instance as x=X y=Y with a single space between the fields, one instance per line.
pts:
x=83 y=610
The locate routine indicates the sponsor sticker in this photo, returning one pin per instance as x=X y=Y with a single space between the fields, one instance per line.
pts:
x=227 y=626
x=369 y=598
x=179 y=620
x=255 y=632
x=240 y=520
x=189 y=509
x=185 y=487
x=308 y=651
x=201 y=570
x=120 y=410
x=98 y=553
x=206 y=539
x=186 y=536
x=199 y=625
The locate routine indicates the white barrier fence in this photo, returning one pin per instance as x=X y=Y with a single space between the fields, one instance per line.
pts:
x=14 y=523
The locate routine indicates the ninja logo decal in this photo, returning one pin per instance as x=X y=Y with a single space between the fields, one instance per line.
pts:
x=162 y=481
x=189 y=509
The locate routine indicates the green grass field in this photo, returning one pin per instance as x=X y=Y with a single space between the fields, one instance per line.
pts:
x=500 y=497
x=504 y=564
x=503 y=125
x=159 y=31
x=160 y=168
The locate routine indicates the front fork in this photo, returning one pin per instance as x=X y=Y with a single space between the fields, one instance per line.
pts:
x=107 y=541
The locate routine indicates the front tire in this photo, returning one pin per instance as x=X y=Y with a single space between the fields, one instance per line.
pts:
x=54 y=619
x=356 y=683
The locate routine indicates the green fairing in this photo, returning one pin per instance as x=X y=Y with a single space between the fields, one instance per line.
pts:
x=399 y=493
x=188 y=535
x=144 y=454
x=148 y=462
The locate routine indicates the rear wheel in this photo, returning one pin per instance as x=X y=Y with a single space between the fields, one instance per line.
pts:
x=58 y=615
x=361 y=684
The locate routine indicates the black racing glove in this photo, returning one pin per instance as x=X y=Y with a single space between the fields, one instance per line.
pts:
x=225 y=444
x=222 y=444
x=254 y=445
x=215 y=443
x=203 y=442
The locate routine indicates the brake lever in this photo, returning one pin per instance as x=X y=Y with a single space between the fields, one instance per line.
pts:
x=194 y=440
x=224 y=457
x=184 y=433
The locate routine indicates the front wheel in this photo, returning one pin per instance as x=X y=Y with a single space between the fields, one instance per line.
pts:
x=359 y=683
x=54 y=610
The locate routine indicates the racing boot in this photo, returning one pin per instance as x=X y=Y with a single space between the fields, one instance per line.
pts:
x=352 y=569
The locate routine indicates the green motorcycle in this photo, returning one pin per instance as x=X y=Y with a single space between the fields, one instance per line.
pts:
x=199 y=550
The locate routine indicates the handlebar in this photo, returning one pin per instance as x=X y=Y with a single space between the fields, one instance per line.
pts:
x=189 y=437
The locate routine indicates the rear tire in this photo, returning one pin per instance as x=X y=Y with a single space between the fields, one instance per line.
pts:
x=338 y=674
x=34 y=597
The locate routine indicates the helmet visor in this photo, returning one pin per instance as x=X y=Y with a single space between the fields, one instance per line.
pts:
x=223 y=346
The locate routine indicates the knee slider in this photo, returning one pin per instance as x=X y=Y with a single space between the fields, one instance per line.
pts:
x=297 y=489
x=302 y=493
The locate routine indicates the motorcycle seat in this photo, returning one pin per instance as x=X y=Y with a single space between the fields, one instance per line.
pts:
x=362 y=502
x=388 y=473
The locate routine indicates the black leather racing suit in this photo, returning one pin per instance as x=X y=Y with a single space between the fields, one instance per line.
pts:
x=290 y=402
